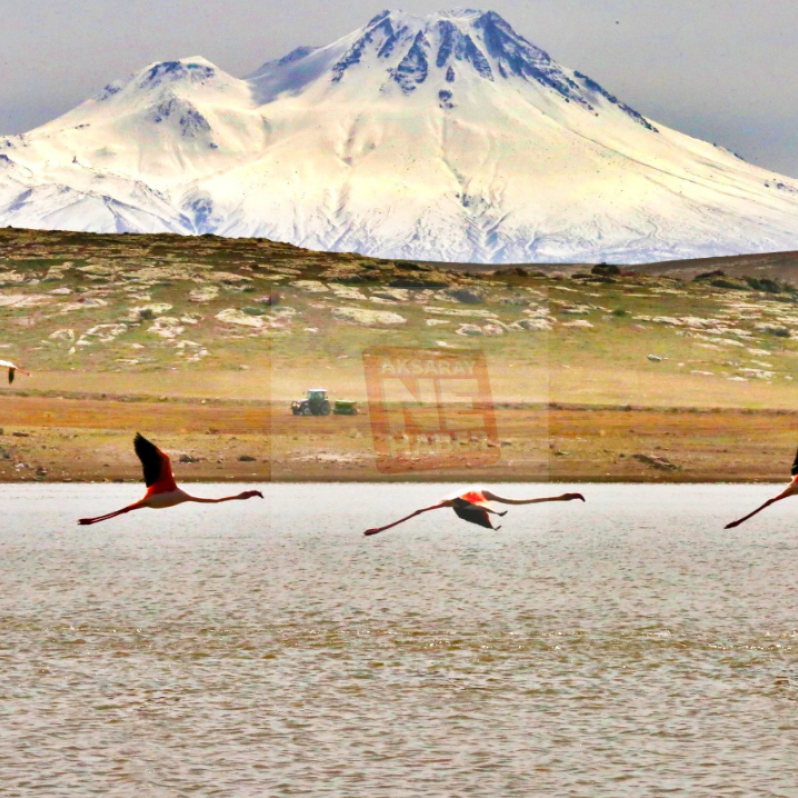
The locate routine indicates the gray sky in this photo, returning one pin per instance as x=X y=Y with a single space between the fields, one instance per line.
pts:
x=722 y=70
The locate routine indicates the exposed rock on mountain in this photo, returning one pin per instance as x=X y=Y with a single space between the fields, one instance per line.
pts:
x=445 y=137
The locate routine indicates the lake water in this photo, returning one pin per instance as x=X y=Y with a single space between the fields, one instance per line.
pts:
x=624 y=647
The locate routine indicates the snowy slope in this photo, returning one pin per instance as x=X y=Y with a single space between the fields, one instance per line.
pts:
x=444 y=137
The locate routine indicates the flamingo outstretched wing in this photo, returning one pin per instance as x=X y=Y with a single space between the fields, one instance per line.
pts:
x=156 y=465
x=13 y=368
x=474 y=514
x=794 y=469
x=475 y=507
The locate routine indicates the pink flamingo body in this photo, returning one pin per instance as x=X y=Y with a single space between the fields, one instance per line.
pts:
x=162 y=490
x=790 y=490
x=475 y=507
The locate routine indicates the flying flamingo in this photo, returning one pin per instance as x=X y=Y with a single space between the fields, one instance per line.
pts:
x=790 y=490
x=474 y=506
x=162 y=490
x=12 y=369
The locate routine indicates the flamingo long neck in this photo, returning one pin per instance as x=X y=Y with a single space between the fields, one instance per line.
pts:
x=527 y=501
x=202 y=500
x=493 y=497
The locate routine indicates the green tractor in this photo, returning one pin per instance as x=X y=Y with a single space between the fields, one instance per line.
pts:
x=316 y=404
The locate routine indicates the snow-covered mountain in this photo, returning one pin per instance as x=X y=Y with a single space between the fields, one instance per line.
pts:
x=442 y=137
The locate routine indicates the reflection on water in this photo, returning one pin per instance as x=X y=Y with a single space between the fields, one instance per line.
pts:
x=624 y=647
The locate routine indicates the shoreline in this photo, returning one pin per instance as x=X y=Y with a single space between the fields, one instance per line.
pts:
x=332 y=481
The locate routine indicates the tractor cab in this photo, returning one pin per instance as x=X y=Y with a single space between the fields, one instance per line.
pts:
x=316 y=404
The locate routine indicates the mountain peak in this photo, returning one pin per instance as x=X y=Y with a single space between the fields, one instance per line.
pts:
x=441 y=137
x=417 y=42
x=470 y=36
x=466 y=16
x=193 y=71
x=446 y=51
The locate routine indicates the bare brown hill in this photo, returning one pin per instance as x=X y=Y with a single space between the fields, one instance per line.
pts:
x=774 y=265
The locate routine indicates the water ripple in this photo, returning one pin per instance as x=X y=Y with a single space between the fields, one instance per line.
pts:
x=579 y=652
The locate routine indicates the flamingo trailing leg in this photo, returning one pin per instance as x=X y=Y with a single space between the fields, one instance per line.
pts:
x=790 y=490
x=475 y=507
x=162 y=490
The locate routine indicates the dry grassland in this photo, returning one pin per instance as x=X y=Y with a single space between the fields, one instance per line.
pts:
x=202 y=343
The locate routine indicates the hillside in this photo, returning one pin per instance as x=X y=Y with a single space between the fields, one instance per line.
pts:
x=137 y=304
x=228 y=332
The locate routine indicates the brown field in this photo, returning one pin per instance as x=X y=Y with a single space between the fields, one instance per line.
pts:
x=666 y=374
x=89 y=439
